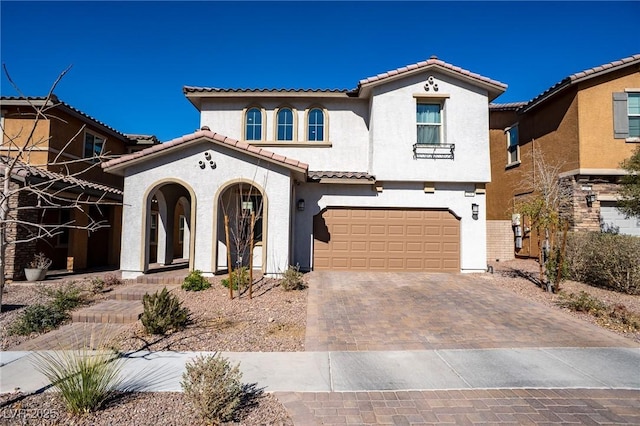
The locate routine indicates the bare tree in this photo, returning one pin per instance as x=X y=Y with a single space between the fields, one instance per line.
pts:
x=548 y=206
x=242 y=214
x=30 y=189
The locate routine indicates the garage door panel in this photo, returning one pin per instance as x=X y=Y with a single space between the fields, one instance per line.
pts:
x=388 y=240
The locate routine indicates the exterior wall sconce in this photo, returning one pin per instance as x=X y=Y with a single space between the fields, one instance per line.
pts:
x=300 y=205
x=474 y=211
x=591 y=197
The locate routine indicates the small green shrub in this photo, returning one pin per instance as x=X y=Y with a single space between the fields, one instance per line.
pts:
x=37 y=319
x=213 y=386
x=97 y=285
x=292 y=279
x=85 y=379
x=582 y=302
x=240 y=278
x=163 y=312
x=65 y=298
x=605 y=260
x=195 y=282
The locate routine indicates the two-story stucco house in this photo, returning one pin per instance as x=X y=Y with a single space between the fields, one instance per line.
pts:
x=586 y=125
x=61 y=157
x=388 y=176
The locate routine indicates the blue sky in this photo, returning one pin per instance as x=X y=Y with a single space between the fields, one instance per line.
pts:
x=131 y=59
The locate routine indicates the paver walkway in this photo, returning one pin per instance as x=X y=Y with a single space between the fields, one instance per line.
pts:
x=359 y=311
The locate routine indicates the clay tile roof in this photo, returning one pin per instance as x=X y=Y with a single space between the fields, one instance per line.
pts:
x=24 y=170
x=197 y=89
x=583 y=75
x=422 y=64
x=218 y=138
x=508 y=106
x=57 y=102
x=317 y=175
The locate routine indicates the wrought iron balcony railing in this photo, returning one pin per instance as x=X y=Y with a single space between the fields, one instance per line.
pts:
x=442 y=151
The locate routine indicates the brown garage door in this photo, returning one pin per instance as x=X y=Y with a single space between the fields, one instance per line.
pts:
x=386 y=240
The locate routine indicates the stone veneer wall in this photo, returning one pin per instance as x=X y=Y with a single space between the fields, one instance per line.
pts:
x=500 y=243
x=585 y=218
x=19 y=255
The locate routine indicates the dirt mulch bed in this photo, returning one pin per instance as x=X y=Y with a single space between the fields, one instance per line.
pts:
x=133 y=409
x=521 y=277
x=273 y=320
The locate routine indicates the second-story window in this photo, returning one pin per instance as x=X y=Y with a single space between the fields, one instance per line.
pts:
x=513 y=148
x=315 y=125
x=93 y=145
x=633 y=105
x=253 y=125
x=429 y=123
x=285 y=124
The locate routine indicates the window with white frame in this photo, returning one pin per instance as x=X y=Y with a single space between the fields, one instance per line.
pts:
x=429 y=123
x=93 y=145
x=315 y=125
x=633 y=111
x=253 y=124
x=513 y=147
x=285 y=125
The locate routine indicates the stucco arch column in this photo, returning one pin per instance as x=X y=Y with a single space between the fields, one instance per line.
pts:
x=132 y=258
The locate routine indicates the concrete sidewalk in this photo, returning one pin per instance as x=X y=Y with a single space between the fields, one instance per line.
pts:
x=595 y=368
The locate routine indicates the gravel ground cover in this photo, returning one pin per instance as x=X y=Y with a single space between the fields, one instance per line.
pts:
x=274 y=320
x=19 y=295
x=134 y=409
x=519 y=276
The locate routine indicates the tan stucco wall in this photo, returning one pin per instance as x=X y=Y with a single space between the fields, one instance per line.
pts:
x=18 y=129
x=598 y=148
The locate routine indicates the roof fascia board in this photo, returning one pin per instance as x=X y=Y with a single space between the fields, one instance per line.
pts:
x=593 y=172
x=66 y=109
x=120 y=167
x=494 y=89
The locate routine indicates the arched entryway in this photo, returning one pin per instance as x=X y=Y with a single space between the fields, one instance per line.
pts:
x=240 y=201
x=169 y=225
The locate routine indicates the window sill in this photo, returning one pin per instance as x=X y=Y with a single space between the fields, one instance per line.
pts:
x=292 y=144
x=512 y=165
x=632 y=140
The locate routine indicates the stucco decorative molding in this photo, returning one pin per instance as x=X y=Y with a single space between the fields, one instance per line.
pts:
x=431 y=84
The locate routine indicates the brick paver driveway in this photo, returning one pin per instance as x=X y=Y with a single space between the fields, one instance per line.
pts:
x=359 y=311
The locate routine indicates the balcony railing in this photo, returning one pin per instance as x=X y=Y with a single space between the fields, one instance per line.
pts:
x=442 y=151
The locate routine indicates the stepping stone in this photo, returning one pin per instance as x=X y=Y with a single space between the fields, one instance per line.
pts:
x=73 y=336
x=137 y=291
x=110 y=311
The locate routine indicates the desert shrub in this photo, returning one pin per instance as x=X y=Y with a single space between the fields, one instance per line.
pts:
x=240 y=278
x=111 y=280
x=38 y=318
x=605 y=260
x=582 y=302
x=66 y=297
x=292 y=279
x=97 y=285
x=195 y=282
x=163 y=312
x=213 y=386
x=84 y=379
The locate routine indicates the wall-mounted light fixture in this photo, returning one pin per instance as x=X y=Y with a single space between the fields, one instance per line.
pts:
x=591 y=197
x=474 y=211
x=300 y=205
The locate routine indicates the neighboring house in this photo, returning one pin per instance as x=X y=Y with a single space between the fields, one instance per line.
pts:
x=388 y=176
x=589 y=122
x=73 y=137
